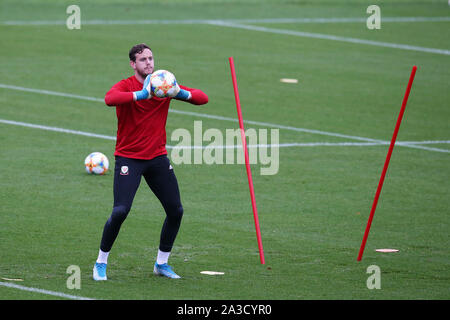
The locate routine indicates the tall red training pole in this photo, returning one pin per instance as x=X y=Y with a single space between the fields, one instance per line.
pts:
x=247 y=162
x=386 y=163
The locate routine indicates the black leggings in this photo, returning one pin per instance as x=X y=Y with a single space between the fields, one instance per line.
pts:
x=159 y=175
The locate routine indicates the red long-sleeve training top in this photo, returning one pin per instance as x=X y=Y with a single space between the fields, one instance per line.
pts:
x=141 y=125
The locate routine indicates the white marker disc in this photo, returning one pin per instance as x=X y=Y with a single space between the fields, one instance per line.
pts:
x=286 y=80
x=212 y=273
x=386 y=250
x=9 y=279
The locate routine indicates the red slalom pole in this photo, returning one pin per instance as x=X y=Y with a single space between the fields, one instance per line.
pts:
x=247 y=162
x=386 y=163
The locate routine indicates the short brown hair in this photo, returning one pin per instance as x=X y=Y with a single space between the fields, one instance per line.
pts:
x=137 y=49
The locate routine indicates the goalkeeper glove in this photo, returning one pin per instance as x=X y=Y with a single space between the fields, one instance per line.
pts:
x=145 y=93
x=183 y=95
x=179 y=93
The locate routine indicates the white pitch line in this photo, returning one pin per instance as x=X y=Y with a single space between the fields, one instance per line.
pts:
x=415 y=146
x=197 y=114
x=56 y=129
x=204 y=115
x=48 y=292
x=331 y=37
x=237 y=23
x=339 y=20
x=285 y=145
x=207 y=21
x=427 y=142
x=101 y=136
x=51 y=93
x=411 y=144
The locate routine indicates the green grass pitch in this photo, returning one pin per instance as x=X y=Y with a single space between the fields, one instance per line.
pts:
x=313 y=212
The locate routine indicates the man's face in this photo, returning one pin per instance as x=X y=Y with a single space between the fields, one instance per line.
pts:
x=144 y=64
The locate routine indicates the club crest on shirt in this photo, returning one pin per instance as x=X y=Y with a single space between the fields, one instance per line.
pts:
x=124 y=170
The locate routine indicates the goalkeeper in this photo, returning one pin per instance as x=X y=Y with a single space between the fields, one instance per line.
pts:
x=141 y=152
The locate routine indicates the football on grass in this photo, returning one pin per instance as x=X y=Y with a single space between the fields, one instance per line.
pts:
x=96 y=163
x=163 y=84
